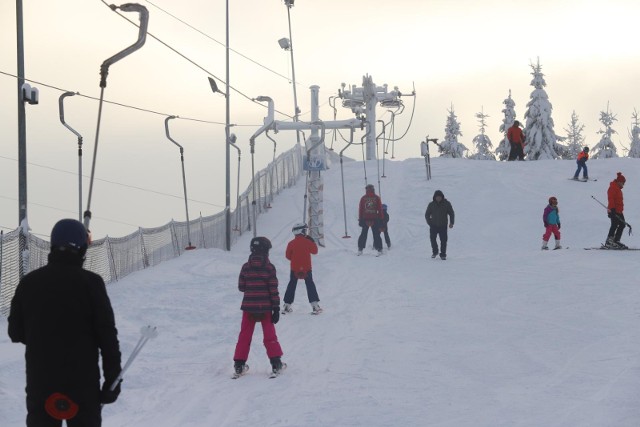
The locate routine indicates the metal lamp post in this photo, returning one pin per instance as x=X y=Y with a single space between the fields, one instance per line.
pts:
x=184 y=180
x=61 y=108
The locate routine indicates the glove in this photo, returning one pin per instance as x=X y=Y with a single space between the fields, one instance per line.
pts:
x=612 y=213
x=546 y=224
x=109 y=396
x=558 y=226
x=275 y=315
x=361 y=222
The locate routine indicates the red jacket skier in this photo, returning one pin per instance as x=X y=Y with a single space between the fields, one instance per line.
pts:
x=299 y=252
x=516 y=140
x=615 y=210
x=370 y=215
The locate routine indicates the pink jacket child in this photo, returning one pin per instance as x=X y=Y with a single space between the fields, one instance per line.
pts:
x=551 y=220
x=261 y=303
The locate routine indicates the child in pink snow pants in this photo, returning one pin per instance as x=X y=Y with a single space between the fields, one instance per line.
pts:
x=261 y=303
x=551 y=220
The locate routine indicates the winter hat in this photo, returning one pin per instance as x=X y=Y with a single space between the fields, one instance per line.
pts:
x=369 y=187
x=438 y=193
x=585 y=149
x=553 y=200
x=516 y=123
x=620 y=178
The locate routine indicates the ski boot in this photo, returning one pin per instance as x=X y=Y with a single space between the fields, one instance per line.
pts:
x=240 y=368
x=286 y=308
x=558 y=246
x=443 y=256
x=276 y=366
x=315 y=307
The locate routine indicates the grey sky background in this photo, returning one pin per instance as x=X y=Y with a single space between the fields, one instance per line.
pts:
x=463 y=53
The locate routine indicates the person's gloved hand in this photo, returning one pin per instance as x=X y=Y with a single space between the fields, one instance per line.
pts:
x=361 y=222
x=275 y=315
x=612 y=213
x=109 y=396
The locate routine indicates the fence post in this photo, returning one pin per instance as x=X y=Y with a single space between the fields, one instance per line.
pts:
x=143 y=249
x=112 y=262
x=204 y=240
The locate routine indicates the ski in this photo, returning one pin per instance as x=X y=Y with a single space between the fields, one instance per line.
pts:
x=316 y=312
x=277 y=373
x=236 y=375
x=582 y=179
x=601 y=248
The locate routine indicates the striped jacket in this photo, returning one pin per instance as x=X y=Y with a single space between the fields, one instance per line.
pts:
x=259 y=283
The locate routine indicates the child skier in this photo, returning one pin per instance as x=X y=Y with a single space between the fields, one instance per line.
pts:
x=384 y=226
x=299 y=252
x=551 y=220
x=261 y=303
x=581 y=161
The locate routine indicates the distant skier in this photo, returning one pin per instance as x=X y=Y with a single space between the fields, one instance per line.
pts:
x=299 y=251
x=583 y=156
x=384 y=226
x=369 y=216
x=62 y=314
x=516 y=141
x=615 y=210
x=439 y=215
x=551 y=220
x=261 y=303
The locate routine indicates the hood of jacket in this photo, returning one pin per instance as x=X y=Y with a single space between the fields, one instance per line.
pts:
x=438 y=193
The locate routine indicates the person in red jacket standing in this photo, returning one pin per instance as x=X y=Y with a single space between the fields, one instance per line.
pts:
x=516 y=140
x=299 y=252
x=615 y=210
x=261 y=303
x=370 y=215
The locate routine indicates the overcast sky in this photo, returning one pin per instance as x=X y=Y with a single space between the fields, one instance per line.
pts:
x=463 y=53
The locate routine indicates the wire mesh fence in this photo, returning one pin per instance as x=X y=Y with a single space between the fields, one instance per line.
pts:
x=114 y=258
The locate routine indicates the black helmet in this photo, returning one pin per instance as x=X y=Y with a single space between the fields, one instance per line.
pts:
x=260 y=245
x=585 y=149
x=69 y=234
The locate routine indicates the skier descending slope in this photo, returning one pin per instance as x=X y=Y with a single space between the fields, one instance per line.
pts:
x=261 y=303
x=439 y=214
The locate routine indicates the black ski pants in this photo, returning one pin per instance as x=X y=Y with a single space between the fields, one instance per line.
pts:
x=377 y=241
x=434 y=232
x=617 y=226
x=290 y=294
x=516 y=151
x=89 y=415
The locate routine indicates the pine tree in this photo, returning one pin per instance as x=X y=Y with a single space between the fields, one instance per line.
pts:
x=634 y=149
x=509 y=116
x=482 y=141
x=605 y=148
x=540 y=139
x=450 y=147
x=575 y=139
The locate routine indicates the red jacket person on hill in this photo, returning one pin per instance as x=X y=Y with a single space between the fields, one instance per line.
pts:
x=370 y=215
x=615 y=210
x=516 y=140
x=299 y=252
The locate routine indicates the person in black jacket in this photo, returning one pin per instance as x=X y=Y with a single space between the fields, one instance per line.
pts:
x=439 y=215
x=62 y=314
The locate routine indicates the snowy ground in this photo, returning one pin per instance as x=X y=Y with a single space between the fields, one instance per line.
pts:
x=500 y=334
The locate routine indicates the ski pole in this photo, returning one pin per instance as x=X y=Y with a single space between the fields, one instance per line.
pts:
x=617 y=216
x=147 y=333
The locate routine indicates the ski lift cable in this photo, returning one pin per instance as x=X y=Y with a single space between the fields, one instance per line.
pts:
x=220 y=43
x=133 y=107
x=238 y=91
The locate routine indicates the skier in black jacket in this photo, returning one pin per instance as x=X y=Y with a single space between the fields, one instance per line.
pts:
x=439 y=216
x=62 y=313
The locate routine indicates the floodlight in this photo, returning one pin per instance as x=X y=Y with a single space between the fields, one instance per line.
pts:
x=284 y=43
